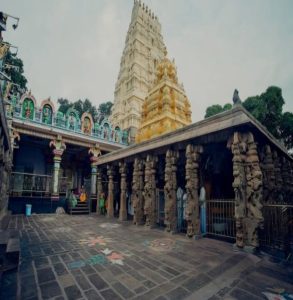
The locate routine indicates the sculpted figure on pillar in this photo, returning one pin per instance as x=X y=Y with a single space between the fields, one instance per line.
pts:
x=58 y=145
x=170 y=191
x=247 y=184
x=149 y=192
x=192 y=185
x=268 y=170
x=254 y=192
x=137 y=192
x=95 y=152
x=238 y=148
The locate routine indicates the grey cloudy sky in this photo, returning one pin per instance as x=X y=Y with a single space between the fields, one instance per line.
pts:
x=72 y=48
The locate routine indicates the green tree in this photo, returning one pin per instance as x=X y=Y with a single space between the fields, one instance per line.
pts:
x=105 y=108
x=216 y=109
x=79 y=105
x=267 y=109
x=286 y=129
x=14 y=69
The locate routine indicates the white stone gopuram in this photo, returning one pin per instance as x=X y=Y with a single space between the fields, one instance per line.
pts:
x=144 y=48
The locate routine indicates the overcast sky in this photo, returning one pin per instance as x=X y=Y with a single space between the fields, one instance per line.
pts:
x=72 y=48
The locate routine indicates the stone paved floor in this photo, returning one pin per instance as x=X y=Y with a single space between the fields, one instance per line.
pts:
x=90 y=257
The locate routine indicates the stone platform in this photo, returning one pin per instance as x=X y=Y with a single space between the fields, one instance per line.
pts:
x=91 y=257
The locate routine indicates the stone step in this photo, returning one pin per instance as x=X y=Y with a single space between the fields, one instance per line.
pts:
x=80 y=212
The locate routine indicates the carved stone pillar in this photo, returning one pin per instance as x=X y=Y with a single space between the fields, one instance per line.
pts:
x=110 y=199
x=268 y=170
x=99 y=188
x=95 y=152
x=123 y=188
x=58 y=148
x=248 y=182
x=170 y=191
x=149 y=193
x=137 y=192
x=192 y=185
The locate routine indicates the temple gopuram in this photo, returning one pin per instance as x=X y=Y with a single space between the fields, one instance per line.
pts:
x=147 y=160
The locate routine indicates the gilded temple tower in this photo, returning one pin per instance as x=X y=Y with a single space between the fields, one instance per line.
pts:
x=144 y=48
x=166 y=107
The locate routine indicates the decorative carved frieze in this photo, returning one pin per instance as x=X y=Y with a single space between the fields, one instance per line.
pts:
x=149 y=193
x=192 y=185
x=170 y=190
x=137 y=192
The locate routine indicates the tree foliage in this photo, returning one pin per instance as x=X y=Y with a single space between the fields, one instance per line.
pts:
x=98 y=115
x=267 y=108
x=105 y=108
x=216 y=109
x=15 y=70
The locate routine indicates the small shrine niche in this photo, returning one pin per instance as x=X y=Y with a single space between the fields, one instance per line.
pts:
x=47 y=114
x=86 y=123
x=28 y=108
x=72 y=119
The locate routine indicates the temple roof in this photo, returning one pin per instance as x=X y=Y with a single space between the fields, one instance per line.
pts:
x=229 y=120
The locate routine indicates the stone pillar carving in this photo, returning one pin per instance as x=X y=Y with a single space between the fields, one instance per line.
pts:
x=99 y=188
x=58 y=146
x=110 y=199
x=149 y=193
x=192 y=185
x=137 y=192
x=248 y=181
x=94 y=152
x=254 y=193
x=123 y=188
x=170 y=191
x=268 y=170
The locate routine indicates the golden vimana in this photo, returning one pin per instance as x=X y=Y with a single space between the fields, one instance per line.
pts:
x=166 y=107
